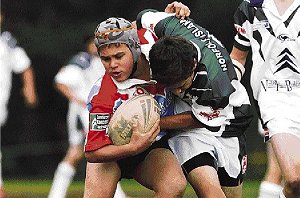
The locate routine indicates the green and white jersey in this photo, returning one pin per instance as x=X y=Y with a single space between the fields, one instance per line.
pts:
x=218 y=100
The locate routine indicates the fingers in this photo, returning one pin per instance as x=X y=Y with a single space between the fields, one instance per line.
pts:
x=169 y=8
x=143 y=138
x=135 y=123
x=155 y=131
x=180 y=10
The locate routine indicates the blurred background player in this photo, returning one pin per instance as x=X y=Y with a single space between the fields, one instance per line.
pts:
x=74 y=82
x=271 y=186
x=13 y=59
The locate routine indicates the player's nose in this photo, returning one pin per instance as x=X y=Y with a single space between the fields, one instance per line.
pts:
x=113 y=64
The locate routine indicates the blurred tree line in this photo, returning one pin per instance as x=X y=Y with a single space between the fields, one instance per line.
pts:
x=51 y=31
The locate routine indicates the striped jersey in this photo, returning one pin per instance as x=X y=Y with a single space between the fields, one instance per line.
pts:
x=274 y=41
x=218 y=100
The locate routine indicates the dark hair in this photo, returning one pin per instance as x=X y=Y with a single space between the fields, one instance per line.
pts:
x=172 y=60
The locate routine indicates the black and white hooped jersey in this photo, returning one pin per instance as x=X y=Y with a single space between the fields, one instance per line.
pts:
x=219 y=101
x=275 y=43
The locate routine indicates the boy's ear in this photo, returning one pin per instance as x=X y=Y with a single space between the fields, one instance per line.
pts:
x=195 y=64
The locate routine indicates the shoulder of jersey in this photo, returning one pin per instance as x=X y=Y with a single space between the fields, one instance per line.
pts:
x=82 y=60
x=139 y=17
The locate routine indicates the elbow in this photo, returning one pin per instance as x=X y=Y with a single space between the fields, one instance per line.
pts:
x=90 y=157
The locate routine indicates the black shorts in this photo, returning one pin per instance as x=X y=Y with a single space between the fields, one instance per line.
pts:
x=129 y=165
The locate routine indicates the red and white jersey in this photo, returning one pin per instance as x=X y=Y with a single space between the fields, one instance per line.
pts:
x=105 y=97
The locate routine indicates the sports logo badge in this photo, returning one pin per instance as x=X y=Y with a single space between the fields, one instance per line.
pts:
x=99 y=121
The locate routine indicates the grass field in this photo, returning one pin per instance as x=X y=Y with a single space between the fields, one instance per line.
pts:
x=40 y=188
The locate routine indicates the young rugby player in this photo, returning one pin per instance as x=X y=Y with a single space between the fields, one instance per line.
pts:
x=270 y=29
x=148 y=161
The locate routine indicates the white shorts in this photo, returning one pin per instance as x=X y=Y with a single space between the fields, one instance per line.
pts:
x=279 y=109
x=226 y=151
x=260 y=129
x=78 y=119
x=283 y=125
x=229 y=153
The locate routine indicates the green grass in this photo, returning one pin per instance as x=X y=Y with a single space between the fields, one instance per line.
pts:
x=40 y=188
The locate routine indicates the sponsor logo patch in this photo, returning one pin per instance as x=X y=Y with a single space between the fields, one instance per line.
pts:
x=264 y=24
x=285 y=37
x=280 y=84
x=99 y=121
x=211 y=115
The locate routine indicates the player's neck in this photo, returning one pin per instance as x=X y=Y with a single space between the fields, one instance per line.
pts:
x=283 y=5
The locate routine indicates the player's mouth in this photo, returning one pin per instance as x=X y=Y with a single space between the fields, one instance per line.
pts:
x=116 y=74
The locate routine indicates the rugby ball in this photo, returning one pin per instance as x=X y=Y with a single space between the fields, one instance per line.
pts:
x=143 y=107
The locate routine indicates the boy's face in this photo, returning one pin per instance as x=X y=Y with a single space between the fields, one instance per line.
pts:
x=179 y=88
x=117 y=60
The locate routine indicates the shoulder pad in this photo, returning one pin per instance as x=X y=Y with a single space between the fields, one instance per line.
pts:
x=82 y=59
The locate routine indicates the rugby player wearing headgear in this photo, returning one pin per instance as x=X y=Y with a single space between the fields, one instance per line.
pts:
x=74 y=81
x=149 y=162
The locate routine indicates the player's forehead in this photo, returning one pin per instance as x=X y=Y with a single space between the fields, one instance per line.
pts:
x=113 y=46
x=113 y=49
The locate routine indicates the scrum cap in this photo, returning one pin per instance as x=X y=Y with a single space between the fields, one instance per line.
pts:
x=118 y=30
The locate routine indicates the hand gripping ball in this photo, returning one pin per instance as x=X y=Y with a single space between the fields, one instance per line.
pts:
x=142 y=107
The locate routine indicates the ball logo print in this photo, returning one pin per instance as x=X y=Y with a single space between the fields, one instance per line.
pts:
x=143 y=107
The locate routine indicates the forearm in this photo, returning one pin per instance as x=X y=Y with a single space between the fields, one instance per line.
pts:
x=138 y=143
x=68 y=93
x=29 y=89
x=65 y=91
x=180 y=121
x=239 y=60
x=239 y=55
x=110 y=153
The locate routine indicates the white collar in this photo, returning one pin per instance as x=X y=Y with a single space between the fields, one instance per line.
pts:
x=131 y=82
